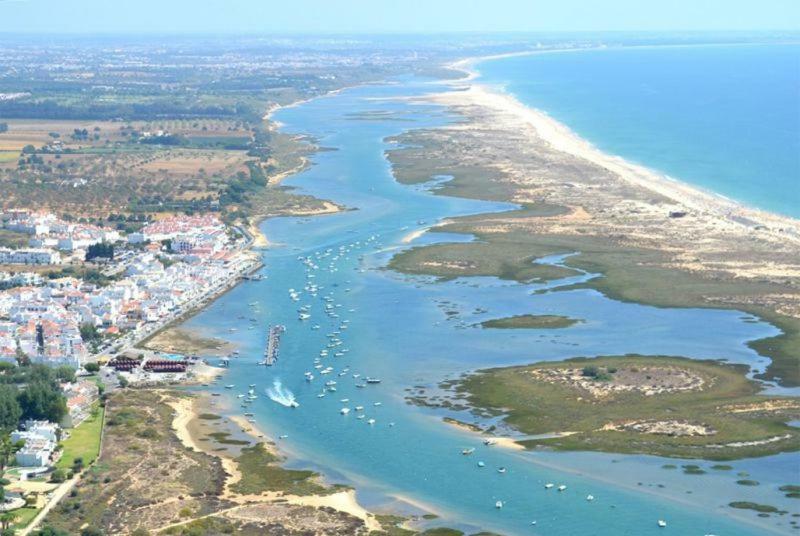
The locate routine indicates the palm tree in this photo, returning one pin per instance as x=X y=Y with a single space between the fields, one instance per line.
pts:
x=6 y=519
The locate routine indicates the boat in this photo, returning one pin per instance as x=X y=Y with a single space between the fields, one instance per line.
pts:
x=304 y=316
x=344 y=400
x=467 y=452
x=548 y=485
x=377 y=404
x=498 y=504
x=359 y=408
x=562 y=487
x=501 y=470
x=489 y=442
x=371 y=421
x=230 y=386
x=294 y=404
x=239 y=396
x=590 y=498
x=373 y=380
x=662 y=523
x=248 y=414
x=481 y=464
x=361 y=416
x=344 y=411
x=321 y=395
x=284 y=436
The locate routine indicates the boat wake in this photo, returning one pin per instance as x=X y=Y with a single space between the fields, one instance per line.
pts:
x=280 y=394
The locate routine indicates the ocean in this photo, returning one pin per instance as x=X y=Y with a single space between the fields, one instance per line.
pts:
x=397 y=331
x=725 y=118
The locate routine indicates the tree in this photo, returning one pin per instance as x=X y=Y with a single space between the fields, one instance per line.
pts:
x=65 y=373
x=41 y=400
x=7 y=519
x=92 y=368
x=58 y=476
x=10 y=410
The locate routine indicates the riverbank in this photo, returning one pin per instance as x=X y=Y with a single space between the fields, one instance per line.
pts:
x=636 y=228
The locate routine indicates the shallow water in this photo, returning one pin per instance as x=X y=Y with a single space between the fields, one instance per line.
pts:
x=399 y=332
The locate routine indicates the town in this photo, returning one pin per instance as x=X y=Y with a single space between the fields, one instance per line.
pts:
x=80 y=297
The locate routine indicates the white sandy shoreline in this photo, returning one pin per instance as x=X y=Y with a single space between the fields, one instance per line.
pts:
x=562 y=138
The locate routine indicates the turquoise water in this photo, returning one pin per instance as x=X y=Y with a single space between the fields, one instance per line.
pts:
x=726 y=118
x=398 y=331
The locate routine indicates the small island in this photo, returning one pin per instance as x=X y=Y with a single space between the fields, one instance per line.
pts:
x=665 y=406
x=531 y=322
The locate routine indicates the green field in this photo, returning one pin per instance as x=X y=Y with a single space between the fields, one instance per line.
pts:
x=24 y=516
x=84 y=440
x=537 y=404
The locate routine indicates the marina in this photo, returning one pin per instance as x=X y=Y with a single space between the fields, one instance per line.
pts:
x=273 y=344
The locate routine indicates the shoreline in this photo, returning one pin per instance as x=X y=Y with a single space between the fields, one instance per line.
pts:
x=189 y=409
x=561 y=138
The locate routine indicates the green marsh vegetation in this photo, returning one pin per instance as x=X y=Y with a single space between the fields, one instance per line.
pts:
x=724 y=419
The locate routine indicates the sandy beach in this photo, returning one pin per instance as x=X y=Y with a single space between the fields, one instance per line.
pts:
x=188 y=409
x=559 y=137
x=498 y=441
x=410 y=237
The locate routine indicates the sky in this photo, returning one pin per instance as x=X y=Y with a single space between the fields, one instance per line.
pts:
x=392 y=16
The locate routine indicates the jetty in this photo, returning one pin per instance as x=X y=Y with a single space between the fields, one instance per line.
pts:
x=273 y=344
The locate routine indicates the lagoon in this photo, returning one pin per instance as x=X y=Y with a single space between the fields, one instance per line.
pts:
x=399 y=331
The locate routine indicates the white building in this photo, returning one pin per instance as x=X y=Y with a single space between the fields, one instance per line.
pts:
x=29 y=256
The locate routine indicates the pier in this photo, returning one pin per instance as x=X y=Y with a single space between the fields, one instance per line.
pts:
x=273 y=344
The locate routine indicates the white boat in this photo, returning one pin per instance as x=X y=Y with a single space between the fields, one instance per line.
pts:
x=304 y=316
x=590 y=498
x=344 y=411
x=467 y=452
x=481 y=464
x=294 y=404
x=378 y=404
x=501 y=470
x=662 y=523
x=548 y=485
x=231 y=386
x=309 y=377
x=321 y=395
x=371 y=421
x=498 y=504
x=359 y=408
x=361 y=416
x=562 y=487
x=284 y=436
